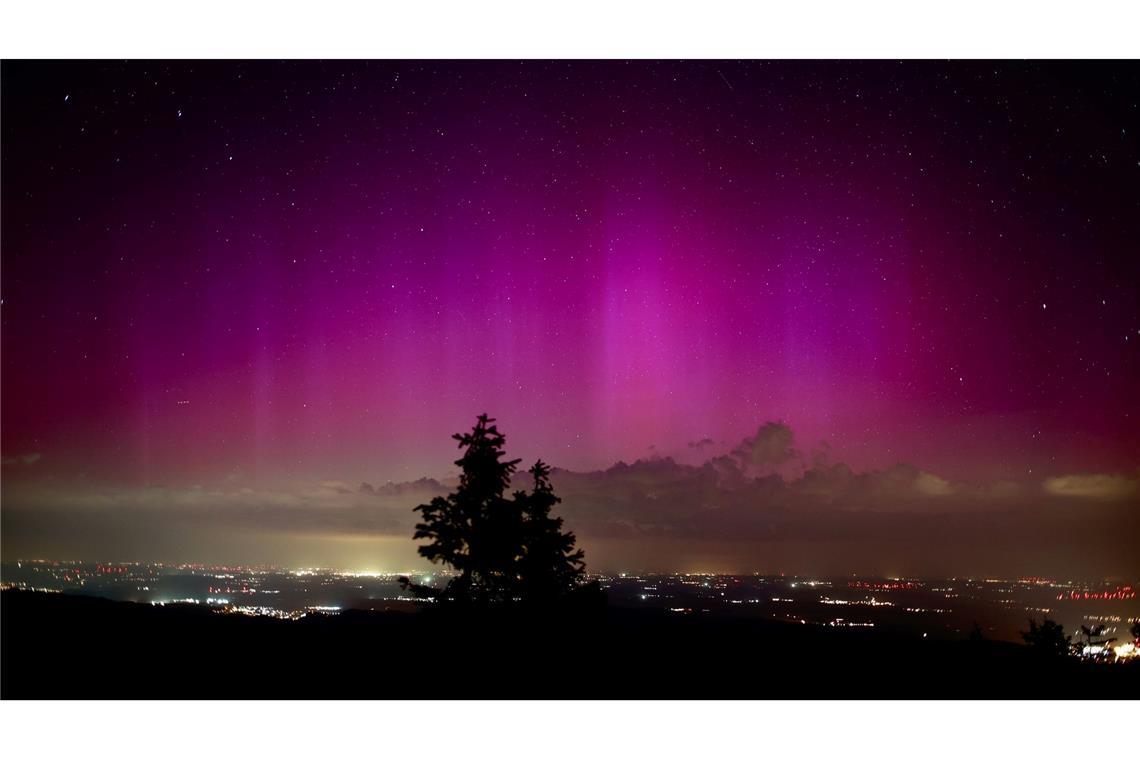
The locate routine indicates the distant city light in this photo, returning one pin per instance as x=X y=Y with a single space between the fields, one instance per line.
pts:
x=295 y=593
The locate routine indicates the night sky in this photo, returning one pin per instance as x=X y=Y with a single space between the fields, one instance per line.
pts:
x=234 y=291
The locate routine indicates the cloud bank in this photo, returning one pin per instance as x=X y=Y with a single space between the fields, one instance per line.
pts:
x=762 y=506
x=1100 y=487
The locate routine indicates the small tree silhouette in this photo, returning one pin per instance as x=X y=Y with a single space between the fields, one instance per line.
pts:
x=503 y=549
x=1094 y=636
x=549 y=564
x=1047 y=638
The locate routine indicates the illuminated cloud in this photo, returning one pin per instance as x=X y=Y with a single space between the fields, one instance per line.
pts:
x=339 y=486
x=1092 y=486
x=768 y=449
x=26 y=460
x=932 y=485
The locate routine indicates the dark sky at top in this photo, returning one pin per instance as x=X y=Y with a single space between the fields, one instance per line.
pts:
x=236 y=283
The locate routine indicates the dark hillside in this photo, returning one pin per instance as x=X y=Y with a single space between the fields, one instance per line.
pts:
x=60 y=646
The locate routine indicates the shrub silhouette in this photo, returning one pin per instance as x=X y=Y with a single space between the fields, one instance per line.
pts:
x=1047 y=638
x=503 y=549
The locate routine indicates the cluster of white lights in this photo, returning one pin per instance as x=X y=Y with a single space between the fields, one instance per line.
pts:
x=872 y=602
x=840 y=622
x=263 y=612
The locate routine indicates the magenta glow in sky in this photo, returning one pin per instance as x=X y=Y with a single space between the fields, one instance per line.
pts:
x=225 y=274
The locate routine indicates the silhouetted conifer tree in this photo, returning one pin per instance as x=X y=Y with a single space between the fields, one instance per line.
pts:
x=549 y=564
x=504 y=549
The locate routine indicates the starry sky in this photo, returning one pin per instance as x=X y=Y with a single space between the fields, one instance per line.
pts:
x=251 y=277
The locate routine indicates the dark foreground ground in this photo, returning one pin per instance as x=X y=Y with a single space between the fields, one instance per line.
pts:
x=59 y=646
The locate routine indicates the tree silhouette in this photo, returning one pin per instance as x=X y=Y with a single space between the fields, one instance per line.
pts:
x=1047 y=638
x=549 y=565
x=1135 y=630
x=1094 y=636
x=503 y=549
